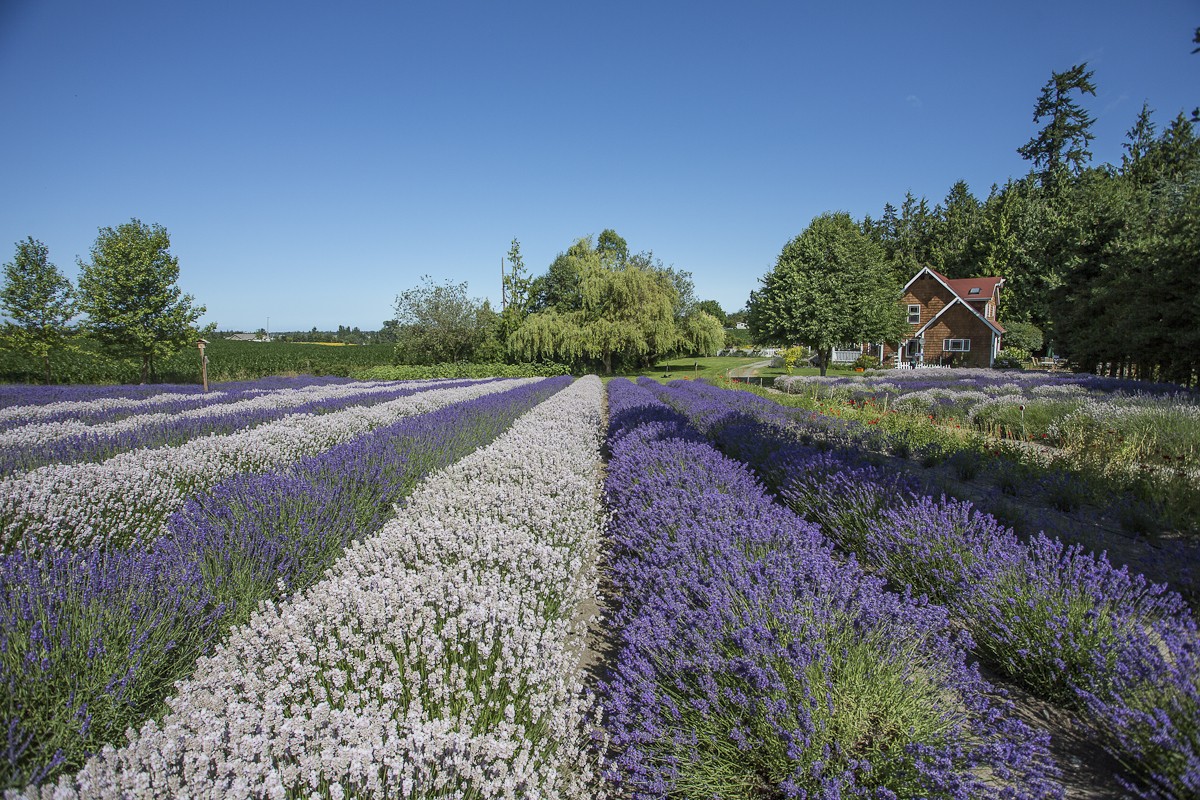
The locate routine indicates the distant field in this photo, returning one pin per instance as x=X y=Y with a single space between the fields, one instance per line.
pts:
x=227 y=361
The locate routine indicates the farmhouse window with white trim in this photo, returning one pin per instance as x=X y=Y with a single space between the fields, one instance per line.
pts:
x=914 y=313
x=956 y=345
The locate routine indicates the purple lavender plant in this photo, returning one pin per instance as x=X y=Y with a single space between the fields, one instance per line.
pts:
x=1063 y=622
x=752 y=663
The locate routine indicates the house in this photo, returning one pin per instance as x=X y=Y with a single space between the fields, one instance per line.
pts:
x=951 y=321
x=248 y=337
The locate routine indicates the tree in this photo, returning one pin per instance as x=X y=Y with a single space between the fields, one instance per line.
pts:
x=831 y=285
x=1061 y=146
x=1023 y=335
x=700 y=333
x=596 y=307
x=559 y=288
x=133 y=306
x=612 y=248
x=714 y=310
x=438 y=323
x=38 y=300
x=514 y=286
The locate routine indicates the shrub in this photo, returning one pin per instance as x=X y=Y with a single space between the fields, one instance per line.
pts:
x=1012 y=358
x=1022 y=336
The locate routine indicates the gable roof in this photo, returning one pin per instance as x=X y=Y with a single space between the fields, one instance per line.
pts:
x=961 y=287
x=995 y=326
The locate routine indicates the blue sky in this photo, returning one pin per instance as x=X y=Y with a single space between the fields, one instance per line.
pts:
x=313 y=160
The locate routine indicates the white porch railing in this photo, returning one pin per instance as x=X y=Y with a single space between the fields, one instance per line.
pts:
x=845 y=356
x=922 y=366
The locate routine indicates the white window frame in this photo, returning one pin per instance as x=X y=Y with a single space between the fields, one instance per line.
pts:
x=914 y=309
x=963 y=345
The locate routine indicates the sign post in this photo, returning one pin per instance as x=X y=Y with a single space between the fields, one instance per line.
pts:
x=203 y=364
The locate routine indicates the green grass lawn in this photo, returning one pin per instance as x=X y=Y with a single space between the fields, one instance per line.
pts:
x=694 y=367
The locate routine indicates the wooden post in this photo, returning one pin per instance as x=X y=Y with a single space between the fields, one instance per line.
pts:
x=203 y=363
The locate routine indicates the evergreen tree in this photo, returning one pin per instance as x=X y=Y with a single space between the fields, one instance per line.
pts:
x=1061 y=147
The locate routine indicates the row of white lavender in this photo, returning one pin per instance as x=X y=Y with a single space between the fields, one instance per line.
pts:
x=128 y=498
x=38 y=433
x=24 y=404
x=438 y=658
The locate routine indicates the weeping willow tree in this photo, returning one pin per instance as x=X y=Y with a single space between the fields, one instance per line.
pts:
x=622 y=312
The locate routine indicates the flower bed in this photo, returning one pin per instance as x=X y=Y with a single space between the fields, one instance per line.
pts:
x=1123 y=653
x=91 y=640
x=437 y=658
x=21 y=405
x=752 y=663
x=72 y=441
x=127 y=499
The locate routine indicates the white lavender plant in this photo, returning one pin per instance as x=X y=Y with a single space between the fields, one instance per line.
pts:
x=439 y=658
x=128 y=498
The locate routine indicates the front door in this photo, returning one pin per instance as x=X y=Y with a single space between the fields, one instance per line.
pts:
x=912 y=352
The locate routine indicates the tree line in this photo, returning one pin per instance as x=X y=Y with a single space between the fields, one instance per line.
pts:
x=127 y=294
x=597 y=307
x=1101 y=261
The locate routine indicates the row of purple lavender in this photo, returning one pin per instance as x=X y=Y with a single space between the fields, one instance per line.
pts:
x=1124 y=654
x=752 y=662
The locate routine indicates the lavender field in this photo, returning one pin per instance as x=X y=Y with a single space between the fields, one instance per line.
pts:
x=535 y=588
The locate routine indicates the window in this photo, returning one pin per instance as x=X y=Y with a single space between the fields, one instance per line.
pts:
x=956 y=345
x=914 y=313
x=974 y=290
x=989 y=311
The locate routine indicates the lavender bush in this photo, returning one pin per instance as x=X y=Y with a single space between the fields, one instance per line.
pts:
x=1065 y=623
x=47 y=404
x=70 y=442
x=752 y=663
x=128 y=498
x=112 y=630
x=436 y=658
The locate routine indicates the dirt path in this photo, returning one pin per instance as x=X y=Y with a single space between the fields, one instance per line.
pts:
x=749 y=370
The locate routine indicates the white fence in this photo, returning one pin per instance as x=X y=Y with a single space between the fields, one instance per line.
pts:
x=845 y=356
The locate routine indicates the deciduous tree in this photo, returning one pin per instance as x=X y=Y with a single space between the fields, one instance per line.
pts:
x=39 y=302
x=438 y=323
x=831 y=285
x=134 y=307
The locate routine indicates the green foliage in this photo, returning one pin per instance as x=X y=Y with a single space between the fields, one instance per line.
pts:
x=701 y=334
x=612 y=248
x=831 y=285
x=793 y=356
x=439 y=322
x=227 y=361
x=38 y=300
x=604 y=305
x=515 y=286
x=1022 y=336
x=134 y=307
x=714 y=310
x=865 y=361
x=1012 y=358
x=1061 y=146
x=408 y=372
